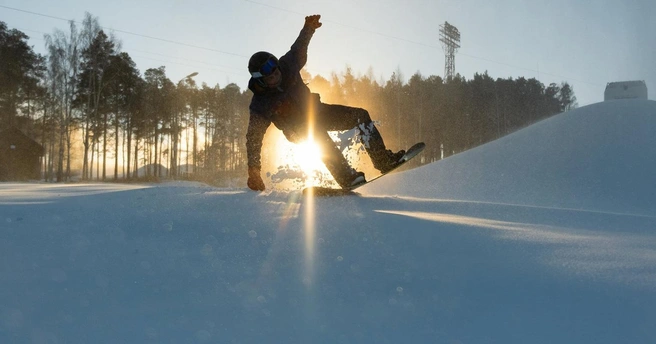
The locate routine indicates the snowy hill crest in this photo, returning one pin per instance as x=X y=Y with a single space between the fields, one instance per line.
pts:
x=601 y=156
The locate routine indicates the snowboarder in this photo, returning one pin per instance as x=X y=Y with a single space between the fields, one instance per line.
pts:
x=280 y=97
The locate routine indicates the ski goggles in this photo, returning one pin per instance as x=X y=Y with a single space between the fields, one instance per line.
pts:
x=268 y=68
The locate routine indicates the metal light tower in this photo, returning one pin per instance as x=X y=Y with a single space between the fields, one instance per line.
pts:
x=450 y=38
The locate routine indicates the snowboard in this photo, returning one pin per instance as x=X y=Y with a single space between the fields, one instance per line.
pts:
x=325 y=191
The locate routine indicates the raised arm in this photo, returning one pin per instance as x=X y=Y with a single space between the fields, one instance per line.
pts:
x=300 y=46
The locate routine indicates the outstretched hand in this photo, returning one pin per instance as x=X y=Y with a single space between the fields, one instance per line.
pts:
x=313 y=21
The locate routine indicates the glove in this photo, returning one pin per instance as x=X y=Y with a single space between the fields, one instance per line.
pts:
x=313 y=21
x=255 y=182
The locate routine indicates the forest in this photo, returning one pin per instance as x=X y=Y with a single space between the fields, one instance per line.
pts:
x=99 y=118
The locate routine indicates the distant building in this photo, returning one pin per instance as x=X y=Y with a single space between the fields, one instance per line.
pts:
x=149 y=170
x=625 y=90
x=20 y=156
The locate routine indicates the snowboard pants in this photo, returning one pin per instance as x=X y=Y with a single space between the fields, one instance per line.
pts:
x=329 y=117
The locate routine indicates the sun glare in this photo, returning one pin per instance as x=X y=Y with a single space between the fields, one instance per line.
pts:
x=300 y=160
x=291 y=164
x=307 y=155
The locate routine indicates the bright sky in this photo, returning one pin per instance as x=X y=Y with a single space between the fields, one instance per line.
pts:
x=586 y=43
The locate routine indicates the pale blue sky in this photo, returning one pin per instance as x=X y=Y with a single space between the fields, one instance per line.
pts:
x=587 y=43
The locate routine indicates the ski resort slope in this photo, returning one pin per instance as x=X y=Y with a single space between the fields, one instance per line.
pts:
x=545 y=236
x=598 y=157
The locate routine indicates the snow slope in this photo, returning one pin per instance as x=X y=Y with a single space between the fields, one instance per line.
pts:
x=545 y=236
x=601 y=157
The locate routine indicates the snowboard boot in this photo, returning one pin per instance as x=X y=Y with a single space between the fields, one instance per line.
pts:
x=383 y=159
x=357 y=178
x=387 y=160
x=349 y=178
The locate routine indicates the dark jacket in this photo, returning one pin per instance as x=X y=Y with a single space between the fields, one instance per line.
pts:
x=286 y=106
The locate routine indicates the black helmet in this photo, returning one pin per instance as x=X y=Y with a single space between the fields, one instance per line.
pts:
x=262 y=64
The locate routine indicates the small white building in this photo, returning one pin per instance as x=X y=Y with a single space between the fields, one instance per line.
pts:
x=625 y=90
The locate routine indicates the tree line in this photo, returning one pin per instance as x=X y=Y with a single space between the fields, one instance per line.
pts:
x=451 y=115
x=89 y=106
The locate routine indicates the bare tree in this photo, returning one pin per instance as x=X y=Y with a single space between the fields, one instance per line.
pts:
x=63 y=67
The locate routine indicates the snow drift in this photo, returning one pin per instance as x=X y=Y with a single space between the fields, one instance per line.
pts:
x=601 y=157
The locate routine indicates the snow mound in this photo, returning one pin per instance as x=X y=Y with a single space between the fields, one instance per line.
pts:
x=600 y=157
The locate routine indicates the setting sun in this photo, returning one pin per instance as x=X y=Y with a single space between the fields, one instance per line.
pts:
x=301 y=162
x=299 y=165
x=307 y=155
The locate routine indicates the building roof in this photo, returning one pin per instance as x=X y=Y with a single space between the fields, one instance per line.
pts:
x=626 y=83
x=14 y=138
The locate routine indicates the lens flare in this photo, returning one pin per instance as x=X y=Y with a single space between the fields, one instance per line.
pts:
x=310 y=223
x=308 y=157
x=299 y=163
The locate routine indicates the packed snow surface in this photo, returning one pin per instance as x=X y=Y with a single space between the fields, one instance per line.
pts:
x=547 y=235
